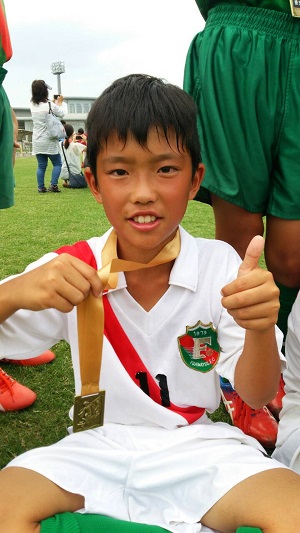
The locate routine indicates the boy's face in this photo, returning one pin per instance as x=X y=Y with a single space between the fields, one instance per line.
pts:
x=144 y=191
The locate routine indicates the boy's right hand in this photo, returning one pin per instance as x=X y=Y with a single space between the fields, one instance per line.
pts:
x=62 y=283
x=252 y=299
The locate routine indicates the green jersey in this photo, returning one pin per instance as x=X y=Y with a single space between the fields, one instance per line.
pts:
x=277 y=5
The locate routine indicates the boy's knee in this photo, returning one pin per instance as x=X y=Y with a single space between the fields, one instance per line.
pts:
x=15 y=519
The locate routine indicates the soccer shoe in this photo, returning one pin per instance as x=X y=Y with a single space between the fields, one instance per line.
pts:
x=53 y=188
x=45 y=357
x=13 y=395
x=275 y=405
x=258 y=423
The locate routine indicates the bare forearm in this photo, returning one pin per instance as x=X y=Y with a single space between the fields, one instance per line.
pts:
x=8 y=299
x=15 y=130
x=15 y=125
x=61 y=284
x=257 y=372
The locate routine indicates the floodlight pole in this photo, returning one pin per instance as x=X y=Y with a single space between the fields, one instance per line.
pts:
x=58 y=84
x=58 y=68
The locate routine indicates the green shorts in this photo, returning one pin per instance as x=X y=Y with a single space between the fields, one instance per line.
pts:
x=85 y=523
x=7 y=181
x=243 y=71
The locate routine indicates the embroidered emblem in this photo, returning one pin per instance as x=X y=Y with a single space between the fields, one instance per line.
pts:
x=199 y=348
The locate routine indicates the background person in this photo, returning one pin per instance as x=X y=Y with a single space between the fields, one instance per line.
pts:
x=81 y=137
x=13 y=395
x=43 y=147
x=71 y=153
x=240 y=63
x=8 y=121
x=242 y=71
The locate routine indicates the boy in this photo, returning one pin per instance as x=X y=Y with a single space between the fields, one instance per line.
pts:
x=170 y=330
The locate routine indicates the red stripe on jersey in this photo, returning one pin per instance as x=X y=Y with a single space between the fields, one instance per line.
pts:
x=80 y=249
x=126 y=353
x=133 y=364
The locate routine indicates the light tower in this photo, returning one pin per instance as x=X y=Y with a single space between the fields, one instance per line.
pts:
x=58 y=68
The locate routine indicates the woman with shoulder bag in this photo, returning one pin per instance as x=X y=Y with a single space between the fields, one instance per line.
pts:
x=71 y=161
x=43 y=146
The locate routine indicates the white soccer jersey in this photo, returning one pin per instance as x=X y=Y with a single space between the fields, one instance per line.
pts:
x=170 y=374
x=288 y=440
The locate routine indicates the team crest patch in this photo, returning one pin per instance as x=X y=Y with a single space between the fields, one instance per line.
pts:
x=199 y=348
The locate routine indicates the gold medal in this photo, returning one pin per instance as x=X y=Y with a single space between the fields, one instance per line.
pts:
x=88 y=411
x=89 y=406
x=295 y=8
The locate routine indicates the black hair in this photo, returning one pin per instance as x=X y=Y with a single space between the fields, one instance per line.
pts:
x=136 y=103
x=69 y=132
x=80 y=130
x=39 y=91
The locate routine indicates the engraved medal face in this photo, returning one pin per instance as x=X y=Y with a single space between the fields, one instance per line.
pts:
x=88 y=411
x=295 y=8
x=199 y=348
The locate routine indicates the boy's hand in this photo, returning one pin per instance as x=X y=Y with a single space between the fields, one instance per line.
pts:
x=252 y=299
x=62 y=283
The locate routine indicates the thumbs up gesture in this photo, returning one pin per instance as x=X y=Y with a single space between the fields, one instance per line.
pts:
x=252 y=299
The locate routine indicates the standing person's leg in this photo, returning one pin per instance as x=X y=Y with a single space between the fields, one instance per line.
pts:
x=56 y=162
x=235 y=225
x=42 y=161
x=283 y=221
x=282 y=253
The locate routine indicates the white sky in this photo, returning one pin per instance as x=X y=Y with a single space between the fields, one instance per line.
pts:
x=98 y=40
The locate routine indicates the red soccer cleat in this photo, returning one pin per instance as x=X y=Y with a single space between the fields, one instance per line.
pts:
x=275 y=405
x=45 y=357
x=13 y=395
x=258 y=423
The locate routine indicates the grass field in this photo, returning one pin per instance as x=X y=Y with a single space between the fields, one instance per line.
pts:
x=39 y=223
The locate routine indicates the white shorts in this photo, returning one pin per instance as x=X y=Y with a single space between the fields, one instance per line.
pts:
x=152 y=475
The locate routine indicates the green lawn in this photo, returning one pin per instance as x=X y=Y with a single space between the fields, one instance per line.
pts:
x=39 y=223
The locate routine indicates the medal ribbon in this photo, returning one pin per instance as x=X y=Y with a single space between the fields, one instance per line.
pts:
x=295 y=8
x=90 y=313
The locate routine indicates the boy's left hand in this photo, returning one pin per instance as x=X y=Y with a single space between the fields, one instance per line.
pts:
x=252 y=299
